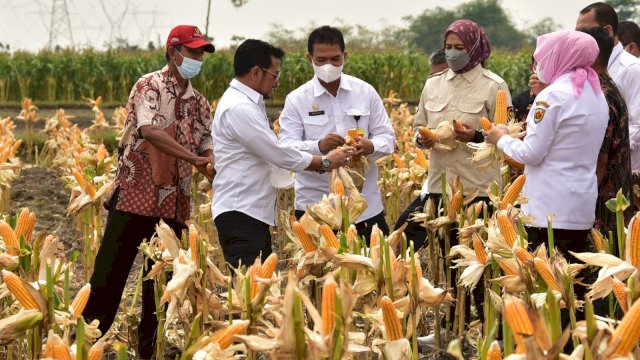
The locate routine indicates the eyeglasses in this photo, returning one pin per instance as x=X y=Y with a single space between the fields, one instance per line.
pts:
x=275 y=75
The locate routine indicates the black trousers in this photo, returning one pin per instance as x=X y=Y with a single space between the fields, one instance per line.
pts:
x=123 y=234
x=242 y=238
x=364 y=227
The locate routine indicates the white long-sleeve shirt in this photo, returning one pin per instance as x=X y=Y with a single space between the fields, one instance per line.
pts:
x=311 y=112
x=244 y=146
x=624 y=69
x=560 y=151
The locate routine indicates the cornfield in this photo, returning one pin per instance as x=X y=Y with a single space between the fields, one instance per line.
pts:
x=325 y=293
x=67 y=76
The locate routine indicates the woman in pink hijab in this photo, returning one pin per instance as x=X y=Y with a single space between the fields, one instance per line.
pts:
x=565 y=129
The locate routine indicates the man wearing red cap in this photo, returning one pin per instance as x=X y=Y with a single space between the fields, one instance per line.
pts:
x=168 y=130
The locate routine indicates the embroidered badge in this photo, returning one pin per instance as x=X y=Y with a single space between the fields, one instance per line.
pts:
x=315 y=107
x=538 y=115
x=543 y=104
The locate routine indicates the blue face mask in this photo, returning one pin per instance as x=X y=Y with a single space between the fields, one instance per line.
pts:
x=189 y=67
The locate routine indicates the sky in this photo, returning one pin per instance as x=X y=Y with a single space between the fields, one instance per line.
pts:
x=25 y=24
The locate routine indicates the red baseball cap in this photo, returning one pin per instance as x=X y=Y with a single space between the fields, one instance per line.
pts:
x=189 y=36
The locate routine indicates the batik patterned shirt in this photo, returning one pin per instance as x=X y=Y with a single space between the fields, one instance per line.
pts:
x=150 y=182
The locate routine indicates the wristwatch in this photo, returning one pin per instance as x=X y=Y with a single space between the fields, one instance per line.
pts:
x=325 y=163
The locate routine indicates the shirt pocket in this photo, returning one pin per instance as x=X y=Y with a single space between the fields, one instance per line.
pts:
x=315 y=127
x=435 y=112
x=471 y=111
x=358 y=118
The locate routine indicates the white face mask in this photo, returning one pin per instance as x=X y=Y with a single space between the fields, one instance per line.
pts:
x=539 y=74
x=327 y=72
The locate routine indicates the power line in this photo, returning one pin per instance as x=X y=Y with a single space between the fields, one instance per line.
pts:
x=60 y=25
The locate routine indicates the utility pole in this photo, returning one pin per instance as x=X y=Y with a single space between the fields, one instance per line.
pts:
x=60 y=24
x=206 y=27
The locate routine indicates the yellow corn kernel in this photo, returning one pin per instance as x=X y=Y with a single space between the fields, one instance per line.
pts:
x=500 y=117
x=523 y=255
x=254 y=271
x=633 y=240
x=516 y=316
x=308 y=245
x=457 y=125
x=454 y=205
x=31 y=224
x=599 y=243
x=514 y=191
x=224 y=337
x=514 y=164
x=101 y=153
x=627 y=332
x=485 y=123
x=375 y=237
x=269 y=266
x=79 y=178
x=15 y=147
x=620 y=291
x=494 y=352
x=328 y=306
x=329 y=236
x=10 y=241
x=506 y=229
x=352 y=233
x=545 y=273
x=338 y=187
x=17 y=287
x=391 y=320
x=399 y=162
x=478 y=248
x=193 y=243
x=22 y=223
x=56 y=348
x=421 y=159
x=96 y=351
x=427 y=133
x=80 y=301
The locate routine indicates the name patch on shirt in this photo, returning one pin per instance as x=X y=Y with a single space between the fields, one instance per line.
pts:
x=316 y=113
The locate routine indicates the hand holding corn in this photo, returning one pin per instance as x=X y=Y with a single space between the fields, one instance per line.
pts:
x=340 y=156
x=493 y=135
x=464 y=132
x=330 y=142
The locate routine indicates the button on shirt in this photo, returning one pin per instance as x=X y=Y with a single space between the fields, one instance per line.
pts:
x=153 y=183
x=624 y=69
x=244 y=147
x=464 y=97
x=560 y=151
x=311 y=112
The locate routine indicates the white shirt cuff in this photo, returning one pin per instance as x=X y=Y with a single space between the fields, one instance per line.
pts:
x=504 y=140
x=304 y=162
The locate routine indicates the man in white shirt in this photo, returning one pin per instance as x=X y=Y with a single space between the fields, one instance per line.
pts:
x=245 y=149
x=629 y=37
x=623 y=67
x=317 y=115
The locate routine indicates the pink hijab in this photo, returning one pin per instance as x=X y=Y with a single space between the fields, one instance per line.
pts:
x=568 y=51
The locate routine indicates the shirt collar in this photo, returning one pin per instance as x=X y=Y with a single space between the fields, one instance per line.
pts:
x=253 y=95
x=470 y=75
x=318 y=89
x=170 y=80
x=617 y=50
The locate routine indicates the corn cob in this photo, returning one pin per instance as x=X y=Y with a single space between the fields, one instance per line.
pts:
x=308 y=245
x=391 y=321
x=56 y=348
x=375 y=237
x=633 y=241
x=418 y=274
x=514 y=191
x=96 y=351
x=506 y=267
x=329 y=236
x=79 y=178
x=328 y=306
x=501 y=108
x=506 y=229
x=514 y=164
x=599 y=243
x=427 y=133
x=17 y=287
x=478 y=247
x=620 y=292
x=80 y=301
x=193 y=243
x=523 y=255
x=101 y=153
x=494 y=352
x=15 y=147
x=421 y=159
x=399 y=162
x=485 y=123
x=31 y=224
x=22 y=223
x=516 y=316
x=338 y=187
x=457 y=125
x=545 y=273
x=224 y=337
x=10 y=241
x=351 y=234
x=454 y=205
x=353 y=133
x=627 y=333
x=269 y=266
x=254 y=271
